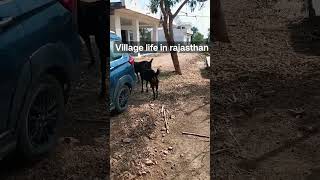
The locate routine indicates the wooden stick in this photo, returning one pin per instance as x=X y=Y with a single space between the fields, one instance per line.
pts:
x=92 y=121
x=194 y=134
x=165 y=121
x=235 y=139
x=219 y=151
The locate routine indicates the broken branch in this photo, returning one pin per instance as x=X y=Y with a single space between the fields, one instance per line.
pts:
x=194 y=134
x=92 y=121
x=219 y=151
x=235 y=139
x=163 y=111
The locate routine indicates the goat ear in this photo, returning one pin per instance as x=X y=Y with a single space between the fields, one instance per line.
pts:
x=158 y=72
x=151 y=60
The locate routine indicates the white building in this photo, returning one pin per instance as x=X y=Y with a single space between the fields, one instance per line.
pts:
x=181 y=33
x=126 y=22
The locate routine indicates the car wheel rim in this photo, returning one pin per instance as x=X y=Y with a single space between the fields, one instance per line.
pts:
x=123 y=98
x=42 y=118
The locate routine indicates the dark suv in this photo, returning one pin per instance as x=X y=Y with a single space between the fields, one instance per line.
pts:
x=122 y=76
x=39 y=53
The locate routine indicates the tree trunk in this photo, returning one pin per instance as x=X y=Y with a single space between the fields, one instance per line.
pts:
x=171 y=42
x=175 y=61
x=174 y=54
x=219 y=25
x=168 y=33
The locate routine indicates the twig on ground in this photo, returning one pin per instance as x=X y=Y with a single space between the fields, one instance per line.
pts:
x=166 y=122
x=194 y=134
x=235 y=139
x=220 y=150
x=163 y=112
x=92 y=121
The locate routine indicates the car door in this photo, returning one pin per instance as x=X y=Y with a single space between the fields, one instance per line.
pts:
x=113 y=73
x=44 y=21
x=11 y=36
x=116 y=72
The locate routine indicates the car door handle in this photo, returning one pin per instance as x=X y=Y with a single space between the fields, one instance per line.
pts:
x=5 y=21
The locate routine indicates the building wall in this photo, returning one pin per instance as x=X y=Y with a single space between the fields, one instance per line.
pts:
x=179 y=35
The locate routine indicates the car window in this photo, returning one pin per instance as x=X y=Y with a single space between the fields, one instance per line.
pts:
x=113 y=53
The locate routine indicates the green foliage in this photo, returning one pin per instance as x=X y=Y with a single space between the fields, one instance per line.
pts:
x=197 y=38
x=155 y=4
x=145 y=36
x=194 y=30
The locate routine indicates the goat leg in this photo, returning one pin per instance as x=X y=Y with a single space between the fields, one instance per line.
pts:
x=141 y=85
x=157 y=90
x=87 y=41
x=103 y=70
x=154 y=95
x=147 y=86
x=137 y=75
x=100 y=41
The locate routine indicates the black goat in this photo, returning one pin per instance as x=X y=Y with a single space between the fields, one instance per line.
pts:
x=140 y=66
x=93 y=20
x=150 y=76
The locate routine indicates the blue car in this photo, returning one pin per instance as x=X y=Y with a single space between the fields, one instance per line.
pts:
x=122 y=76
x=39 y=57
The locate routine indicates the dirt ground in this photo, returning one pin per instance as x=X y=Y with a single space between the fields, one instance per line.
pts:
x=82 y=152
x=266 y=93
x=140 y=146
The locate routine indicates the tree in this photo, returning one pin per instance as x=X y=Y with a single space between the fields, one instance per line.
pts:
x=145 y=36
x=194 y=31
x=167 y=17
x=197 y=38
x=207 y=40
x=219 y=24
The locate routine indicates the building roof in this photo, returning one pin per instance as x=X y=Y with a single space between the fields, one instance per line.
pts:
x=120 y=7
x=115 y=5
x=132 y=12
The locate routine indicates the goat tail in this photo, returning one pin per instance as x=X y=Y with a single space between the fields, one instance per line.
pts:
x=158 y=72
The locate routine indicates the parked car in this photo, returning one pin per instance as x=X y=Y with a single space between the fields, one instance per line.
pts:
x=122 y=76
x=39 y=54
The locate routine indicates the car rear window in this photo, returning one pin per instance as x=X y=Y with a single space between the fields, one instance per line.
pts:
x=113 y=54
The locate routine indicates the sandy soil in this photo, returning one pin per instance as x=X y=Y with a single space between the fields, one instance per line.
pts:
x=140 y=146
x=266 y=94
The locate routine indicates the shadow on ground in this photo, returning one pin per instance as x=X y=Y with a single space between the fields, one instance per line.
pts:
x=276 y=112
x=305 y=36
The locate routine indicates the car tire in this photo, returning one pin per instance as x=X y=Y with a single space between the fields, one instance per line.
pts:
x=41 y=117
x=122 y=98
